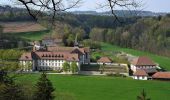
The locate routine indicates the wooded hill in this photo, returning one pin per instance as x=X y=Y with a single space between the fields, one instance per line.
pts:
x=150 y=34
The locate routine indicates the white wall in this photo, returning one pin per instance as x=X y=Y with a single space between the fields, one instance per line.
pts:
x=140 y=77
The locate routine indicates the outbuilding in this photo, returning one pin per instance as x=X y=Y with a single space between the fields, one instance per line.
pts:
x=161 y=76
x=140 y=75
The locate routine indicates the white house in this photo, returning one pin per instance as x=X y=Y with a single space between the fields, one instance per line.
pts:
x=140 y=75
x=143 y=63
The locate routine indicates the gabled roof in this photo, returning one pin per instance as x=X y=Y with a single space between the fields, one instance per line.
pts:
x=104 y=60
x=161 y=75
x=57 y=56
x=140 y=72
x=143 y=61
x=26 y=56
x=67 y=49
x=72 y=57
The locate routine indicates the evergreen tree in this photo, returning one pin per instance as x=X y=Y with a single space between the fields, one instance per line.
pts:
x=143 y=96
x=44 y=89
x=9 y=90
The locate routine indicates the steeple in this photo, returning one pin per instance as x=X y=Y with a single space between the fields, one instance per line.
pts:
x=34 y=48
x=76 y=44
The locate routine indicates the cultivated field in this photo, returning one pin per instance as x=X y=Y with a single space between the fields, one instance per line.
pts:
x=16 y=27
x=100 y=87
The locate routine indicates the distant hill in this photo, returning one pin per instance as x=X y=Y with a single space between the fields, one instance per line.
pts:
x=122 y=13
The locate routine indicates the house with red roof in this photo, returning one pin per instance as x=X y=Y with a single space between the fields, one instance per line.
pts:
x=140 y=74
x=161 y=76
x=143 y=68
x=144 y=63
x=104 y=60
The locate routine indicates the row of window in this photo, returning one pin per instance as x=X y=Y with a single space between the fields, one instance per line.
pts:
x=146 y=66
x=50 y=61
x=50 y=64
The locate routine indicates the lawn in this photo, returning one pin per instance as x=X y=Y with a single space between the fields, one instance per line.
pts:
x=37 y=35
x=164 y=62
x=100 y=87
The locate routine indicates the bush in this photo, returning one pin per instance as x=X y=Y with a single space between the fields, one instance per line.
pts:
x=109 y=74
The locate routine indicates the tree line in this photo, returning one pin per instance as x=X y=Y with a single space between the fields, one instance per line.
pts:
x=147 y=34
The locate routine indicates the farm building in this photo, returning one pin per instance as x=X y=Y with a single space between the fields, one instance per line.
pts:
x=161 y=76
x=140 y=74
x=104 y=60
x=144 y=63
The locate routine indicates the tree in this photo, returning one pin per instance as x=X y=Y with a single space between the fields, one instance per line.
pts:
x=127 y=4
x=9 y=90
x=44 y=89
x=66 y=66
x=74 y=67
x=28 y=66
x=143 y=96
x=53 y=6
x=36 y=8
x=102 y=66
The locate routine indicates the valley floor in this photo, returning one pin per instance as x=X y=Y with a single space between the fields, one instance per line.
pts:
x=69 y=87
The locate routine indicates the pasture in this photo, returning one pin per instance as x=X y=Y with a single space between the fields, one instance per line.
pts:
x=99 y=87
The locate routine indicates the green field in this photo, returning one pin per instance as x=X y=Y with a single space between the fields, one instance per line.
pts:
x=100 y=87
x=37 y=35
x=164 y=62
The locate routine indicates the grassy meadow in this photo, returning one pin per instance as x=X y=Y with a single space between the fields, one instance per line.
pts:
x=164 y=62
x=99 y=87
x=36 y=35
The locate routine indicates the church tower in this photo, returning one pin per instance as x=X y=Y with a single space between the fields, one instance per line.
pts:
x=76 y=44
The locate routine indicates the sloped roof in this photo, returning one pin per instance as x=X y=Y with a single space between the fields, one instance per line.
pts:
x=67 y=49
x=140 y=72
x=72 y=57
x=26 y=56
x=161 y=75
x=57 y=56
x=142 y=61
x=104 y=60
x=50 y=56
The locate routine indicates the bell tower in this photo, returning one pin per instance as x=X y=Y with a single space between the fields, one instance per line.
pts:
x=76 y=44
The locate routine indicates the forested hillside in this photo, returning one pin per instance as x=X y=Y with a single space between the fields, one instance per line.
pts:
x=150 y=34
x=147 y=34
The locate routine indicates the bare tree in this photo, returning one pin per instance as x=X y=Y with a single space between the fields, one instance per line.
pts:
x=126 y=4
x=52 y=7
x=57 y=6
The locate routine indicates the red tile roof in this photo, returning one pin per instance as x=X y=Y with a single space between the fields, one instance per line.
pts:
x=104 y=60
x=68 y=49
x=26 y=56
x=143 y=61
x=161 y=75
x=50 y=56
x=57 y=56
x=140 y=72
